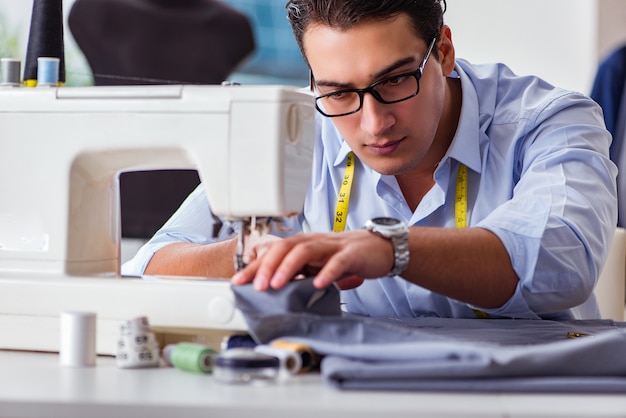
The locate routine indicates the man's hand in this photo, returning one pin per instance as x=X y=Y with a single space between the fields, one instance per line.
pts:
x=255 y=245
x=346 y=258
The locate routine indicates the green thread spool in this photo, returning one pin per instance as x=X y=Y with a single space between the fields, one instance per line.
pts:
x=191 y=357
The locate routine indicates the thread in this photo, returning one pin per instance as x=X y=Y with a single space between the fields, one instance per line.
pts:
x=45 y=39
x=309 y=359
x=245 y=366
x=290 y=362
x=139 y=323
x=236 y=341
x=78 y=339
x=137 y=346
x=47 y=72
x=191 y=357
x=11 y=72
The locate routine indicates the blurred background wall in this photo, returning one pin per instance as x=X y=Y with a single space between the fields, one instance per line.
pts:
x=560 y=40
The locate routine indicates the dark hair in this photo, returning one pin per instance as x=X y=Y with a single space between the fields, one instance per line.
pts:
x=426 y=15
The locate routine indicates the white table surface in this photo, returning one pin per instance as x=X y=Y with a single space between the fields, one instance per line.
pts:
x=34 y=385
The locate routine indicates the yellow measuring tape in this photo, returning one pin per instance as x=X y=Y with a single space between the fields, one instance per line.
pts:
x=343 y=199
x=460 y=213
x=460 y=204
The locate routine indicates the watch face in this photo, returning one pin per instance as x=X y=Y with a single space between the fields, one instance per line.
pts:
x=385 y=221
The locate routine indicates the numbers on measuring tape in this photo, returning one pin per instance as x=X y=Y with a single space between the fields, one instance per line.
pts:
x=343 y=197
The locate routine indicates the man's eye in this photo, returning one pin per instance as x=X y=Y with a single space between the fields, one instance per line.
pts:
x=394 y=81
x=338 y=95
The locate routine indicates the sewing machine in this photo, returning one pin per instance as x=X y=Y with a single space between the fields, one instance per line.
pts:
x=62 y=152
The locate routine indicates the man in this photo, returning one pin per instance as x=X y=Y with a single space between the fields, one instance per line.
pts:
x=505 y=180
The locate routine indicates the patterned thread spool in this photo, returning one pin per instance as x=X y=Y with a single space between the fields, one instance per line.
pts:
x=137 y=346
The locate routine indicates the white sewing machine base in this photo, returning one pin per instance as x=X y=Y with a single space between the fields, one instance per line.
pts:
x=30 y=307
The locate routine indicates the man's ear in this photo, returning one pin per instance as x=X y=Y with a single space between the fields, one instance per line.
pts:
x=445 y=50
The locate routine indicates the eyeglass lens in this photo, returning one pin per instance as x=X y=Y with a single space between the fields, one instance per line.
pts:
x=391 y=90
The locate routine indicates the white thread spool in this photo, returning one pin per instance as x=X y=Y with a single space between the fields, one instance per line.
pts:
x=78 y=339
x=290 y=362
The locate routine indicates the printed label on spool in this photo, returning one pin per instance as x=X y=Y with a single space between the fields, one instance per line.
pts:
x=137 y=346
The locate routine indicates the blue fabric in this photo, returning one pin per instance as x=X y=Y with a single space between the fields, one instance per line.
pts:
x=609 y=90
x=608 y=86
x=497 y=355
x=540 y=178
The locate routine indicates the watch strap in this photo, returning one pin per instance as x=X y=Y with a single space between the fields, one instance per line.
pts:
x=398 y=234
x=400 y=253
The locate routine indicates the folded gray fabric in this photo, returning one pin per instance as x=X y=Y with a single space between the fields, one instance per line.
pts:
x=442 y=353
x=563 y=385
x=427 y=362
x=298 y=296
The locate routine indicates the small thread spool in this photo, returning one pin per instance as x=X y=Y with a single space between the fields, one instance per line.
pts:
x=11 y=70
x=309 y=359
x=237 y=341
x=137 y=324
x=137 y=346
x=191 y=357
x=290 y=362
x=245 y=366
x=78 y=339
x=48 y=71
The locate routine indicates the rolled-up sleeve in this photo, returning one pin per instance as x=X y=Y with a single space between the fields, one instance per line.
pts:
x=192 y=222
x=563 y=210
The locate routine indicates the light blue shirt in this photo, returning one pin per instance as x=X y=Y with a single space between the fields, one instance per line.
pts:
x=540 y=178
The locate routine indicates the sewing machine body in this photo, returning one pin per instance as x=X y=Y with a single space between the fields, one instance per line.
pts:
x=63 y=150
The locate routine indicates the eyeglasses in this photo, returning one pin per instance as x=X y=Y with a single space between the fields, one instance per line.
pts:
x=394 y=89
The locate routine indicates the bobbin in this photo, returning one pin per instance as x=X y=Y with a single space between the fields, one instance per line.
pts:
x=245 y=366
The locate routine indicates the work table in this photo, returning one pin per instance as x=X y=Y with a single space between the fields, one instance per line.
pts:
x=35 y=385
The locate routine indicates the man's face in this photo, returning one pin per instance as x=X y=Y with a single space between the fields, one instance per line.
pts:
x=391 y=138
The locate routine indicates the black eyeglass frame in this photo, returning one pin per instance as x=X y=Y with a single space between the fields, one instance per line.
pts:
x=371 y=88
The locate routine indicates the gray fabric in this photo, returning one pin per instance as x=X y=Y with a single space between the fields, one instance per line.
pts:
x=298 y=297
x=568 y=384
x=441 y=353
x=460 y=363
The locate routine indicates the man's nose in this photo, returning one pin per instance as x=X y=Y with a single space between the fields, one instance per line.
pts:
x=376 y=117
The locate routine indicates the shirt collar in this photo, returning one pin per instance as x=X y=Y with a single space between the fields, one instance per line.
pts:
x=342 y=155
x=465 y=146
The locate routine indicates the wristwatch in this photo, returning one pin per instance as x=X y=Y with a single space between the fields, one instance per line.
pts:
x=396 y=232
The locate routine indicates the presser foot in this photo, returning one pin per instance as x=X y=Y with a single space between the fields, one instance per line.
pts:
x=248 y=227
